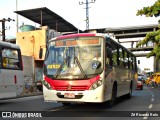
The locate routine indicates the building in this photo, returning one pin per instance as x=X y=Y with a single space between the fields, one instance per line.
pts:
x=30 y=42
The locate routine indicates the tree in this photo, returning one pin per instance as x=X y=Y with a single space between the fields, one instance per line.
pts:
x=152 y=11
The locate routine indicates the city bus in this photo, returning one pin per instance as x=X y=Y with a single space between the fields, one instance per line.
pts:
x=71 y=74
x=11 y=70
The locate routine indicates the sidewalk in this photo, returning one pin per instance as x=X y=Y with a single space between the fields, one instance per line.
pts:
x=30 y=94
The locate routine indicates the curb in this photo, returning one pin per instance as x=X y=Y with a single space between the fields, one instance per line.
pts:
x=29 y=94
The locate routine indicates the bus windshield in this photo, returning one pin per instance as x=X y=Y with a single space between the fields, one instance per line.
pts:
x=75 y=58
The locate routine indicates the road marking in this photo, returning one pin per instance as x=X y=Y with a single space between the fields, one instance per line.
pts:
x=60 y=108
x=150 y=106
x=152 y=99
x=145 y=118
x=152 y=93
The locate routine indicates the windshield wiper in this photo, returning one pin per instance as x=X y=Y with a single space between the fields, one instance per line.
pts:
x=59 y=69
x=80 y=67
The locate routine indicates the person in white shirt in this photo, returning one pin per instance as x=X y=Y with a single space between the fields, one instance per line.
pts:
x=97 y=57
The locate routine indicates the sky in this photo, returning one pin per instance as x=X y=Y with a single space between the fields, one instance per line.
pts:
x=102 y=13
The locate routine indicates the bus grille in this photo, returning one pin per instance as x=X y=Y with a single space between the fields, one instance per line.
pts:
x=70 y=88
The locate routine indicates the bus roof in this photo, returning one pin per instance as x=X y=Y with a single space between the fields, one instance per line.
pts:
x=9 y=45
x=76 y=35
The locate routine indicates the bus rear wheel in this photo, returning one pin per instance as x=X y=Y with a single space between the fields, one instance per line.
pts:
x=114 y=95
x=129 y=95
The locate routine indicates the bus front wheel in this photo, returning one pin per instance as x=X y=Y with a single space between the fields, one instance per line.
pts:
x=66 y=104
x=114 y=95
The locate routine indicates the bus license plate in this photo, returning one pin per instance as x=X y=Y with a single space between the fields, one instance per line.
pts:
x=69 y=95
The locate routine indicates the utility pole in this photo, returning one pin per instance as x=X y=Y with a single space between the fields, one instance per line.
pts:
x=87 y=11
x=3 y=27
x=17 y=14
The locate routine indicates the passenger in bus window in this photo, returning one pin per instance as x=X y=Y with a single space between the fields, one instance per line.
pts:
x=5 y=62
x=109 y=57
x=97 y=56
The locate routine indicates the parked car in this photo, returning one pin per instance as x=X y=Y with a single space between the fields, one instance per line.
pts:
x=156 y=77
x=141 y=77
x=149 y=78
x=140 y=84
x=140 y=81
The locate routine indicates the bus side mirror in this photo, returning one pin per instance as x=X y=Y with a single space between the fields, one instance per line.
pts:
x=138 y=61
x=40 y=53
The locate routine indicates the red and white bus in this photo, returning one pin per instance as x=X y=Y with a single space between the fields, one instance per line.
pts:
x=11 y=71
x=71 y=74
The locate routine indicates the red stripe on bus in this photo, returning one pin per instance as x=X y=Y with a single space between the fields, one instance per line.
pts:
x=76 y=35
x=75 y=84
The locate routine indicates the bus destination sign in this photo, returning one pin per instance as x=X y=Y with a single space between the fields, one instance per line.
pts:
x=77 y=43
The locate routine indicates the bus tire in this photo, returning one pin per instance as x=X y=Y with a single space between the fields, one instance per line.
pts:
x=129 y=95
x=114 y=95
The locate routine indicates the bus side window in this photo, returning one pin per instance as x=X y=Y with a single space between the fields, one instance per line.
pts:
x=114 y=55
x=108 y=55
x=131 y=62
x=125 y=59
x=121 y=57
x=10 y=58
x=5 y=62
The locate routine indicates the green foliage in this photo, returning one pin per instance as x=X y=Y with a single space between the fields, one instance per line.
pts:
x=150 y=11
x=154 y=36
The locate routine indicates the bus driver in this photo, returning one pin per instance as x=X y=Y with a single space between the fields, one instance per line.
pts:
x=97 y=56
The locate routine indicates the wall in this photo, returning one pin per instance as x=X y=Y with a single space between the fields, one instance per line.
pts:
x=28 y=69
x=31 y=41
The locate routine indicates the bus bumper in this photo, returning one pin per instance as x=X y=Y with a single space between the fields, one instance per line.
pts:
x=74 y=96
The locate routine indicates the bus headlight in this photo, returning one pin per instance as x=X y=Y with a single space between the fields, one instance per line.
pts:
x=46 y=84
x=96 y=85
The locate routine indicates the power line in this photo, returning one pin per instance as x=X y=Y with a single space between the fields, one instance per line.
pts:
x=3 y=26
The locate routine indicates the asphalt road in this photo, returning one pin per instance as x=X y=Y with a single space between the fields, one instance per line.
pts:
x=143 y=104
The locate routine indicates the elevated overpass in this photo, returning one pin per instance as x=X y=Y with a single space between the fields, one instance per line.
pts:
x=123 y=33
x=128 y=32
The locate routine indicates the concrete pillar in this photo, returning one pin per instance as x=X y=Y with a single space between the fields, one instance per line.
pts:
x=156 y=65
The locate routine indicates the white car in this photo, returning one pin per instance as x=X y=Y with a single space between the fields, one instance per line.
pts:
x=141 y=77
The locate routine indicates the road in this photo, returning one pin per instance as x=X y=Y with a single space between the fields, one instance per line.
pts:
x=142 y=104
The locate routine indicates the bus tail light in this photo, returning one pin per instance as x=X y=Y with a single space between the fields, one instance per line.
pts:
x=46 y=84
x=96 y=85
